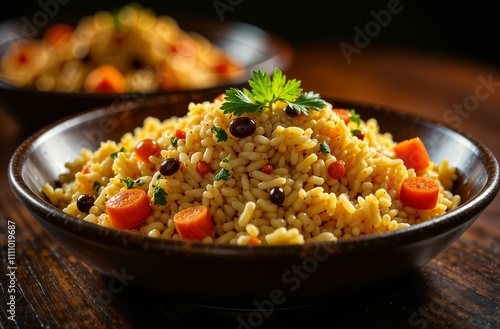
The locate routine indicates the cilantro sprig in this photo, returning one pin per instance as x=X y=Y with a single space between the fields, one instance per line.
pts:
x=266 y=91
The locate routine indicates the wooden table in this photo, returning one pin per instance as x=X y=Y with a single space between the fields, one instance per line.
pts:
x=458 y=289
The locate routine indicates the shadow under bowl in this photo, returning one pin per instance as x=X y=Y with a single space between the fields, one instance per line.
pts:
x=248 y=276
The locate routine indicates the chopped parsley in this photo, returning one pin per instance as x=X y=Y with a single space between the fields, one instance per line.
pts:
x=115 y=154
x=222 y=175
x=226 y=159
x=96 y=186
x=265 y=91
x=220 y=134
x=355 y=117
x=130 y=183
x=173 y=141
x=159 y=194
x=324 y=147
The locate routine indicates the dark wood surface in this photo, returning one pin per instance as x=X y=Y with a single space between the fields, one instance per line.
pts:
x=458 y=289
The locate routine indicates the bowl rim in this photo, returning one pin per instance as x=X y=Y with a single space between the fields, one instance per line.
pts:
x=55 y=217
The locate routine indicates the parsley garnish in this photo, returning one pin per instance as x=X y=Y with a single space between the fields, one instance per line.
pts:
x=173 y=141
x=324 y=147
x=115 y=154
x=266 y=91
x=116 y=20
x=226 y=159
x=223 y=174
x=355 y=118
x=159 y=194
x=220 y=134
x=131 y=183
x=96 y=186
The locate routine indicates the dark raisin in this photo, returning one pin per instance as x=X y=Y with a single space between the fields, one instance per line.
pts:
x=169 y=166
x=291 y=112
x=242 y=127
x=85 y=202
x=277 y=195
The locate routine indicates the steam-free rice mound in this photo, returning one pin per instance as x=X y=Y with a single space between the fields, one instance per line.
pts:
x=316 y=206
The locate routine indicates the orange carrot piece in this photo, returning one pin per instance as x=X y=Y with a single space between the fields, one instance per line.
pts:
x=128 y=208
x=413 y=153
x=180 y=134
x=419 y=193
x=57 y=33
x=203 y=168
x=267 y=169
x=344 y=114
x=193 y=223
x=146 y=148
x=254 y=241
x=105 y=79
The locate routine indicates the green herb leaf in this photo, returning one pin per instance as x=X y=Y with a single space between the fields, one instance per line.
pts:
x=130 y=183
x=306 y=101
x=222 y=175
x=115 y=154
x=265 y=91
x=159 y=194
x=239 y=103
x=116 y=20
x=324 y=147
x=226 y=159
x=96 y=186
x=173 y=141
x=355 y=117
x=220 y=134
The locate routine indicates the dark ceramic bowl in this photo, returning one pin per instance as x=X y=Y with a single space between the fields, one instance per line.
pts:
x=245 y=276
x=250 y=46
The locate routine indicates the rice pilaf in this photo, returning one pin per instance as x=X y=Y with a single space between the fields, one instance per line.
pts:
x=316 y=207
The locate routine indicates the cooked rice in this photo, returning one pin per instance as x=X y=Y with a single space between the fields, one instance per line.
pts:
x=316 y=208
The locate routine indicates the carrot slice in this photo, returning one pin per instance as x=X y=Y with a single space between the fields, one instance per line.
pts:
x=105 y=79
x=419 y=193
x=413 y=153
x=128 y=208
x=58 y=33
x=193 y=223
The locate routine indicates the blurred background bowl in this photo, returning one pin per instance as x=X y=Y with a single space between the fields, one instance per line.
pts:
x=249 y=46
x=239 y=276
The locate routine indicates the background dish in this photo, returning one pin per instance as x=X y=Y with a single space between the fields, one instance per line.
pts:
x=250 y=46
x=240 y=275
